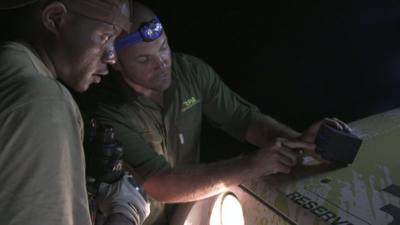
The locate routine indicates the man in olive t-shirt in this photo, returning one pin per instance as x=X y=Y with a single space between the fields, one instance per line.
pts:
x=156 y=99
x=51 y=45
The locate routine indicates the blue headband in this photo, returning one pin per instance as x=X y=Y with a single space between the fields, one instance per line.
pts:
x=149 y=31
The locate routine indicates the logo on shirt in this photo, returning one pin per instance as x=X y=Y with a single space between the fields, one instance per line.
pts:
x=189 y=103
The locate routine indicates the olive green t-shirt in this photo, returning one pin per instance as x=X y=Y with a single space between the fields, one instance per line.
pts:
x=155 y=138
x=41 y=155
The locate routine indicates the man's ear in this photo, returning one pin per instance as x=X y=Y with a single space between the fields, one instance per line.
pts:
x=53 y=16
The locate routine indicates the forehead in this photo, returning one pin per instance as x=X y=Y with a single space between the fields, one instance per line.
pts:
x=114 y=12
x=85 y=24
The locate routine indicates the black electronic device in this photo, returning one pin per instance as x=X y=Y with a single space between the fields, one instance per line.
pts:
x=103 y=154
x=337 y=145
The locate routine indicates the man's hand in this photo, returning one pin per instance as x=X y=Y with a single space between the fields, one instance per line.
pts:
x=278 y=157
x=310 y=134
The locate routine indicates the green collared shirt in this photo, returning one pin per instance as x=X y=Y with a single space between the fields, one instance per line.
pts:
x=41 y=155
x=155 y=138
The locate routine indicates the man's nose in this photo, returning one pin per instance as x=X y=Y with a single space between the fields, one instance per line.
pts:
x=161 y=63
x=109 y=55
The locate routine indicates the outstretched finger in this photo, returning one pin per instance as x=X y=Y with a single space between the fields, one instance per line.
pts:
x=298 y=145
x=288 y=157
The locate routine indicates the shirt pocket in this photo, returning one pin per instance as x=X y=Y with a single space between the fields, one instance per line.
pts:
x=190 y=119
x=186 y=139
x=154 y=139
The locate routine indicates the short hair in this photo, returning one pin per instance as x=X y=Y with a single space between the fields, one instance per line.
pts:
x=22 y=22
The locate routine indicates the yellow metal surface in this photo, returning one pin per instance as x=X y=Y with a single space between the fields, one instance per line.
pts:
x=328 y=194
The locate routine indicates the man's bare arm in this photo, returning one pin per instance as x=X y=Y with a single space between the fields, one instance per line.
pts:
x=264 y=129
x=195 y=182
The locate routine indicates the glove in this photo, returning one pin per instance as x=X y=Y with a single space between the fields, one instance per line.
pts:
x=124 y=197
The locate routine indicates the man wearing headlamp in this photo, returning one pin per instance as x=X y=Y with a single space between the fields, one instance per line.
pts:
x=51 y=46
x=155 y=101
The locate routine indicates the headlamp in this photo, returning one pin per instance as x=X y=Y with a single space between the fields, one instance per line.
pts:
x=149 y=31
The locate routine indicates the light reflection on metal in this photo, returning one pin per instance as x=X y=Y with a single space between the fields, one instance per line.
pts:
x=223 y=209
x=227 y=210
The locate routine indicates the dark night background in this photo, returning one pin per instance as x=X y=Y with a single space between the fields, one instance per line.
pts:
x=298 y=61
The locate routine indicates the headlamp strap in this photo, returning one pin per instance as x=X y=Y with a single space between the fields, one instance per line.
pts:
x=149 y=31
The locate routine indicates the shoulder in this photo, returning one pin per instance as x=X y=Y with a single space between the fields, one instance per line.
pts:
x=190 y=69
x=14 y=63
x=9 y=53
x=27 y=90
x=187 y=62
x=20 y=78
x=35 y=87
x=27 y=97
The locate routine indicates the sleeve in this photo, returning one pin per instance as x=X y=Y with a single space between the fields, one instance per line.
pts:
x=137 y=152
x=222 y=106
x=42 y=165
